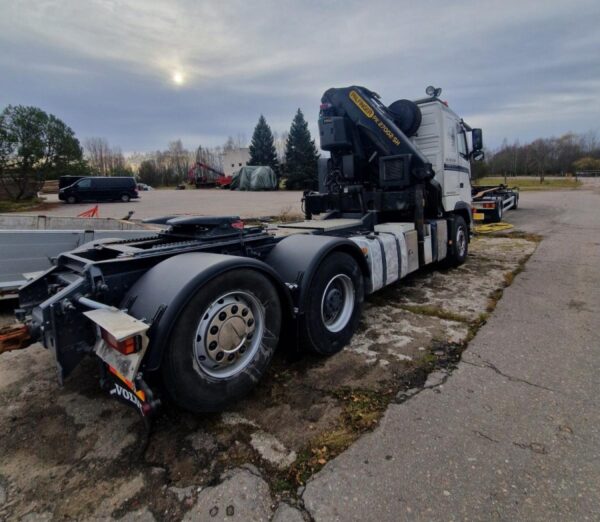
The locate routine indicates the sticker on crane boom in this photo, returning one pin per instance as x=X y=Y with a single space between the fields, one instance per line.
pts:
x=362 y=104
x=368 y=111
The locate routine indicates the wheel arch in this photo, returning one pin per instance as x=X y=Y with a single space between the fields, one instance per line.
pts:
x=296 y=259
x=162 y=293
x=464 y=210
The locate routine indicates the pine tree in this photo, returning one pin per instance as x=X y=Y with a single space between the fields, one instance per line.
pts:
x=262 y=147
x=300 y=155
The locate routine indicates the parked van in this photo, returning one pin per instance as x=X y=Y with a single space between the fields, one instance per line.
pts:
x=100 y=189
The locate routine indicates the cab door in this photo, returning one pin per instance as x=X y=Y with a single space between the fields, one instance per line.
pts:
x=451 y=162
x=457 y=185
x=464 y=178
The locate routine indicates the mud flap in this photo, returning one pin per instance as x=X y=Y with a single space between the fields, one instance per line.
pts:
x=136 y=395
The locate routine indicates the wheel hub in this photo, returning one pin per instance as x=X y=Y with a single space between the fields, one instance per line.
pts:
x=337 y=304
x=227 y=336
x=333 y=302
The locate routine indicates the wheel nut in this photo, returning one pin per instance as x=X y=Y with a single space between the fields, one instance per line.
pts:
x=212 y=345
x=222 y=316
x=219 y=356
x=245 y=312
x=250 y=322
x=231 y=357
x=214 y=330
x=234 y=309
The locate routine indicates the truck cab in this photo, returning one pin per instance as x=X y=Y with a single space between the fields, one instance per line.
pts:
x=442 y=138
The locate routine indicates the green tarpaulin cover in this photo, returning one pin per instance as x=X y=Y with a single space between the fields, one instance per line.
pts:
x=254 y=178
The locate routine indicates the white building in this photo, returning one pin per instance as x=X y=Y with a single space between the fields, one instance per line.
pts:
x=234 y=160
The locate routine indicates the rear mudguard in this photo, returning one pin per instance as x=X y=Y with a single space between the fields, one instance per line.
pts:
x=296 y=259
x=162 y=293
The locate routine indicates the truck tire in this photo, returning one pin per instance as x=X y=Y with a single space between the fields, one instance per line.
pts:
x=334 y=304
x=223 y=341
x=498 y=211
x=459 y=249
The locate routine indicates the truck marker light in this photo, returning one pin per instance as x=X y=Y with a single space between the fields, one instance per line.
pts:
x=489 y=205
x=126 y=346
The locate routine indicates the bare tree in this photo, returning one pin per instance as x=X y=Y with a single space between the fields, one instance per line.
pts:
x=178 y=161
x=239 y=142
x=540 y=153
x=104 y=159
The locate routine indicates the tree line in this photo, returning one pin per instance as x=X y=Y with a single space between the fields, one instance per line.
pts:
x=36 y=146
x=292 y=155
x=568 y=154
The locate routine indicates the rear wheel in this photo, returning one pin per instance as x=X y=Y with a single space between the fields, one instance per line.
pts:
x=498 y=211
x=125 y=198
x=223 y=341
x=71 y=199
x=459 y=248
x=334 y=304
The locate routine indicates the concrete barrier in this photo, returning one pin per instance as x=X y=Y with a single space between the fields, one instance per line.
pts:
x=26 y=222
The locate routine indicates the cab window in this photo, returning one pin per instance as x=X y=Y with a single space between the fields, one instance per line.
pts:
x=85 y=183
x=462 y=142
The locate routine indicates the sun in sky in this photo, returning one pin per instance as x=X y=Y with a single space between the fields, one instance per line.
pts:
x=178 y=78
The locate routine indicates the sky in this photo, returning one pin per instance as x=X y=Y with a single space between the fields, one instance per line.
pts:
x=142 y=73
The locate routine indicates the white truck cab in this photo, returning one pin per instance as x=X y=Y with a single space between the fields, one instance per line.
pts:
x=442 y=138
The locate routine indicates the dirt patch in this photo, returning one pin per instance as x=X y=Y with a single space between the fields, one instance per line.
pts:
x=74 y=453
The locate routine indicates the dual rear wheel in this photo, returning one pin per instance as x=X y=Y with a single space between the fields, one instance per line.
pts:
x=226 y=336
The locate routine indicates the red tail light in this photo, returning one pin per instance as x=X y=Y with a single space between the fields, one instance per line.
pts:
x=126 y=346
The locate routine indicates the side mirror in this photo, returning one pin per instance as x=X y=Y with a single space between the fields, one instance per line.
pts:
x=477 y=155
x=477 y=138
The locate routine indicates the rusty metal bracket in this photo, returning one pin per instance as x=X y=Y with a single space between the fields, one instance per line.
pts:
x=14 y=337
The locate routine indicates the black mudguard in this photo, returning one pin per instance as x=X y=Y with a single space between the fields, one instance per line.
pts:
x=297 y=257
x=161 y=294
x=466 y=210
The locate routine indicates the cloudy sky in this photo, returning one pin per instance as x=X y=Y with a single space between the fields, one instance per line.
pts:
x=142 y=73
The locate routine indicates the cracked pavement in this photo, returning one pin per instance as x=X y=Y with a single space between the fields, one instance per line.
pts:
x=509 y=434
x=513 y=433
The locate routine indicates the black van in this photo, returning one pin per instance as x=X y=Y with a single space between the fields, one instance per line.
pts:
x=100 y=189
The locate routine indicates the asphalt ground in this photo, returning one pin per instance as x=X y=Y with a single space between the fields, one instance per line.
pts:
x=513 y=433
x=210 y=202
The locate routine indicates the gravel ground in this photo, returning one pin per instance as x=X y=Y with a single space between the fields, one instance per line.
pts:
x=74 y=453
x=211 y=202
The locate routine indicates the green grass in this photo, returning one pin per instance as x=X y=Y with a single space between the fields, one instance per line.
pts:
x=22 y=206
x=531 y=183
